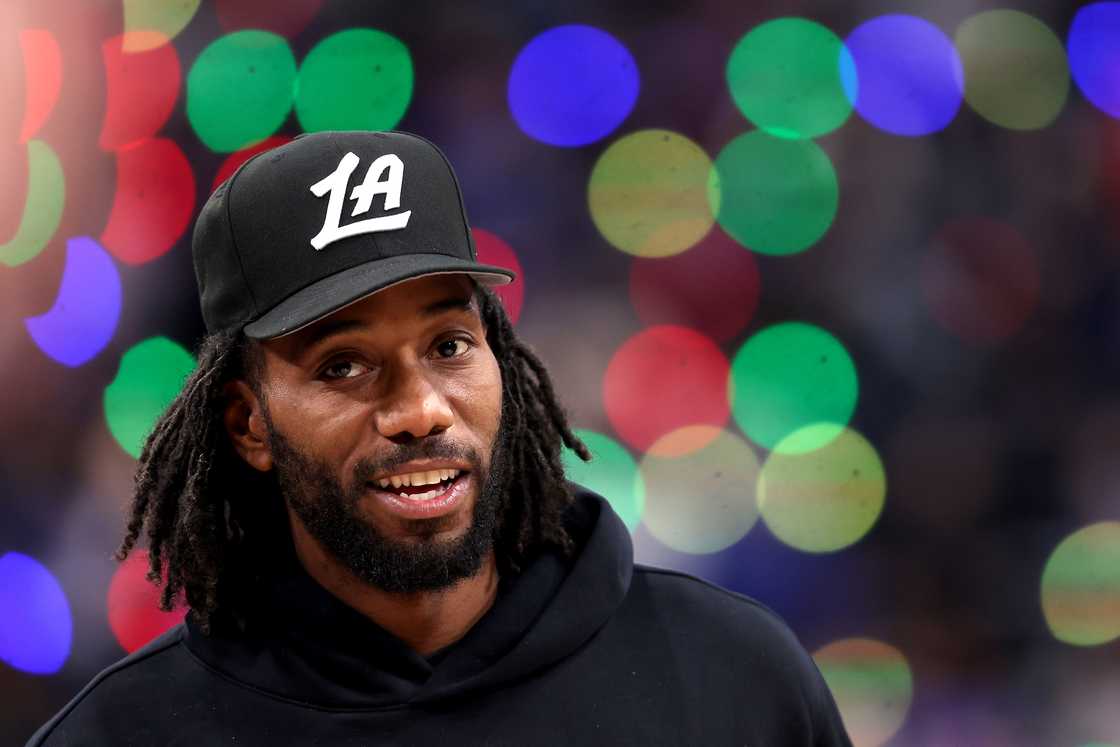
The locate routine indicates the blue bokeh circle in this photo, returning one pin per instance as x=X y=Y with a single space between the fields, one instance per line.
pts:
x=910 y=77
x=1094 y=55
x=36 y=627
x=572 y=85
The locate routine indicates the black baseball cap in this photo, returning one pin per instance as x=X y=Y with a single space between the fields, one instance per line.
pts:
x=302 y=230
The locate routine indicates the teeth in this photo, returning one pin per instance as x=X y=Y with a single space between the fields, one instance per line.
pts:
x=431 y=477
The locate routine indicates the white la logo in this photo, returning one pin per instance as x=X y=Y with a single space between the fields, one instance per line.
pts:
x=372 y=185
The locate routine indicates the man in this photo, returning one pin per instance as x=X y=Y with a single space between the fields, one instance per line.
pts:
x=359 y=494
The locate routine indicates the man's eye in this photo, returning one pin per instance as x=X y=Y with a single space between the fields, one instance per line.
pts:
x=451 y=348
x=343 y=370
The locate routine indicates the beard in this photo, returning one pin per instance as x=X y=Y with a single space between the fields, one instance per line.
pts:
x=332 y=515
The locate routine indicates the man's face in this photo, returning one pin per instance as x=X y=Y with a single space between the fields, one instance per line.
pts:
x=398 y=388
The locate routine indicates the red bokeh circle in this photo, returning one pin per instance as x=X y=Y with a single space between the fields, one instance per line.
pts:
x=235 y=159
x=141 y=89
x=980 y=279
x=42 y=65
x=133 y=602
x=713 y=287
x=492 y=250
x=662 y=379
x=153 y=202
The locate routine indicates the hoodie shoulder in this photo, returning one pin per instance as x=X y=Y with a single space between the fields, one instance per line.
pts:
x=734 y=641
x=723 y=617
x=710 y=604
x=115 y=700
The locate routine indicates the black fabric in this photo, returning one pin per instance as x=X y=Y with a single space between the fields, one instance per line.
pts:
x=254 y=256
x=592 y=650
x=355 y=283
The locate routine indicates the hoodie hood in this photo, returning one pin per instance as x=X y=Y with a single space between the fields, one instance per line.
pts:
x=313 y=648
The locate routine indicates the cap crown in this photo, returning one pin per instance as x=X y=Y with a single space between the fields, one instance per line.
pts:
x=318 y=206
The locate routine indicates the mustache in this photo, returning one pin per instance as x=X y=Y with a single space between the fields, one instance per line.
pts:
x=425 y=448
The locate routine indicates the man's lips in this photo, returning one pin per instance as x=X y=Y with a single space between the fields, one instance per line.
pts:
x=432 y=500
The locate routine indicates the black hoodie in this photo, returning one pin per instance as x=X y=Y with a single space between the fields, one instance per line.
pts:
x=592 y=650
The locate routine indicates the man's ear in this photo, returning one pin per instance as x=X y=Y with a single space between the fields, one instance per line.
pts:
x=244 y=421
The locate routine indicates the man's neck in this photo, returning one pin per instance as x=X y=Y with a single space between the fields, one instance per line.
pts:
x=425 y=621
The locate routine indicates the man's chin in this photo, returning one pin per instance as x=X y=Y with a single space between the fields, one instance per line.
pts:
x=407 y=555
x=419 y=564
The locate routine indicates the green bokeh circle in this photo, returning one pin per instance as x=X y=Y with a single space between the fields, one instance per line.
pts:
x=239 y=90
x=785 y=77
x=42 y=210
x=772 y=194
x=358 y=79
x=1015 y=69
x=788 y=376
x=822 y=500
x=149 y=378
x=872 y=685
x=648 y=193
x=1081 y=586
x=612 y=473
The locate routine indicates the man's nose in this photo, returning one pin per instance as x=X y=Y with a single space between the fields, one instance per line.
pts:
x=412 y=406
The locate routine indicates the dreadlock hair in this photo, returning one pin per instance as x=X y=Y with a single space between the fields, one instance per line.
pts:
x=211 y=536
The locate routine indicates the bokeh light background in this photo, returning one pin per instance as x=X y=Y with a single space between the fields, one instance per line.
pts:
x=831 y=290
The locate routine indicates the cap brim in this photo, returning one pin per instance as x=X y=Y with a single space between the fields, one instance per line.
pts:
x=326 y=296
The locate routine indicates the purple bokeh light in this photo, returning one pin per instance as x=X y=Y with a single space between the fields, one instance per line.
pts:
x=572 y=85
x=35 y=624
x=1094 y=54
x=910 y=78
x=85 y=313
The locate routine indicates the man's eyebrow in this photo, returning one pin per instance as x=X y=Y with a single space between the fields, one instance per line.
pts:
x=455 y=303
x=328 y=329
